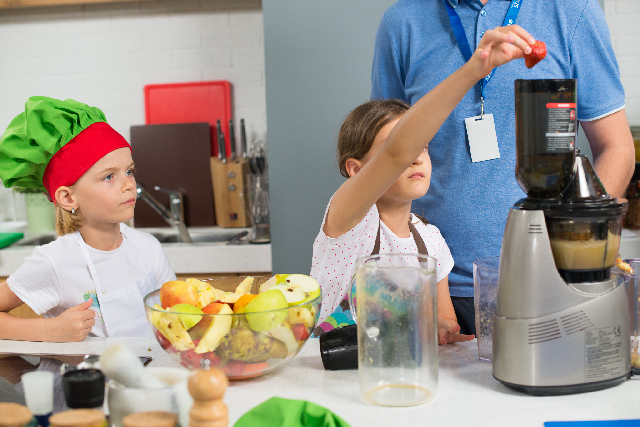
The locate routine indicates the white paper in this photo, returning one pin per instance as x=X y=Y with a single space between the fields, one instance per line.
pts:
x=483 y=142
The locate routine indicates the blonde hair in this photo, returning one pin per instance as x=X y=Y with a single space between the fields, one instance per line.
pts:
x=66 y=222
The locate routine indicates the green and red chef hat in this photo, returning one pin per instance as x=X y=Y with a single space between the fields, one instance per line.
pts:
x=53 y=143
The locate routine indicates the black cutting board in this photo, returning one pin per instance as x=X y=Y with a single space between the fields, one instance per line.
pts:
x=175 y=157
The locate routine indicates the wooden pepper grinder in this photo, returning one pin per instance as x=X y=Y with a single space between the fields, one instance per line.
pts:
x=207 y=388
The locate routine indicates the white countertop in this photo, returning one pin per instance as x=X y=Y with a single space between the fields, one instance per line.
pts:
x=184 y=258
x=467 y=396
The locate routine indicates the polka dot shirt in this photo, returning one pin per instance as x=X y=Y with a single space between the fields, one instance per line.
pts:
x=334 y=259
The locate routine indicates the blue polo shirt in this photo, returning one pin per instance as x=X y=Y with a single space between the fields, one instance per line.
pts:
x=415 y=50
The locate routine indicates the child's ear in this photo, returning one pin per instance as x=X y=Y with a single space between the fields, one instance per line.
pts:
x=353 y=166
x=65 y=198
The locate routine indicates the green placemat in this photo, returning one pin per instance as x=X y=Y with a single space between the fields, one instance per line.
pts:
x=279 y=412
x=8 y=238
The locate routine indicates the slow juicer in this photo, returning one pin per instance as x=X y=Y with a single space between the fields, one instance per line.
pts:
x=561 y=323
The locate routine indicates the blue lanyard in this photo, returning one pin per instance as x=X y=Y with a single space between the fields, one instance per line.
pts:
x=461 y=36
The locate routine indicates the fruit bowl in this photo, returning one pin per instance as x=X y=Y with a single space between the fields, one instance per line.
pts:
x=242 y=344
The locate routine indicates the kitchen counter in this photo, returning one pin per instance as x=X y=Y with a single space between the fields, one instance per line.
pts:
x=217 y=257
x=467 y=396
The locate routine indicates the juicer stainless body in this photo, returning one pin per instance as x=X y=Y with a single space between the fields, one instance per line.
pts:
x=550 y=337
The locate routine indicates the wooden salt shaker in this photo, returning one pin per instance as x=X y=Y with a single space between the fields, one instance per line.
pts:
x=207 y=388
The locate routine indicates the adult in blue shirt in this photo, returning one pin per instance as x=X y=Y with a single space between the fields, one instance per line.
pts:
x=416 y=49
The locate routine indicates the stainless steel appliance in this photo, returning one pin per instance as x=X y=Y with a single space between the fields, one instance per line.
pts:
x=561 y=323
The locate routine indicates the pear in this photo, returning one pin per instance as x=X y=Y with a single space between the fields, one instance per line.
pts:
x=265 y=312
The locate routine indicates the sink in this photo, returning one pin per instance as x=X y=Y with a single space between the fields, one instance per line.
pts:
x=42 y=239
x=165 y=237
x=199 y=237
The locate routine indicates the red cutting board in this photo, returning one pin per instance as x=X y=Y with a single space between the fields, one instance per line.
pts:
x=191 y=103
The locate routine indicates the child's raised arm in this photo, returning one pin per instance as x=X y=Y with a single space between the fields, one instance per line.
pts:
x=71 y=326
x=417 y=127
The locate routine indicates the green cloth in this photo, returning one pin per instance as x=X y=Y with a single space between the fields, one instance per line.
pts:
x=36 y=134
x=279 y=412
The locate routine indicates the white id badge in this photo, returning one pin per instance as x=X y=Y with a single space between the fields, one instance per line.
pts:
x=483 y=142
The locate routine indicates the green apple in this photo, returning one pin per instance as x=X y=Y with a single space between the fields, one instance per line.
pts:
x=260 y=312
x=292 y=293
x=302 y=283
x=188 y=314
x=274 y=280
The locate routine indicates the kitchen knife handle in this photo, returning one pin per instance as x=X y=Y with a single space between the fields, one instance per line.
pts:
x=218 y=138
x=243 y=139
x=232 y=140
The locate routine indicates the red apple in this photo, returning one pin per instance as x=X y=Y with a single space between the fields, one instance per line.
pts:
x=176 y=292
x=213 y=308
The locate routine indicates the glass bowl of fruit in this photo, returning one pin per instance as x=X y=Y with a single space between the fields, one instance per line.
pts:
x=246 y=326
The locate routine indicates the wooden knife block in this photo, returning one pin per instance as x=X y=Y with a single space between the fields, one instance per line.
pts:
x=231 y=201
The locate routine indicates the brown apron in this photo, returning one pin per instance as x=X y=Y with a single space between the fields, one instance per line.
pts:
x=422 y=250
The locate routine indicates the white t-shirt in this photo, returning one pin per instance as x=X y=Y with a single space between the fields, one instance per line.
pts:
x=334 y=259
x=56 y=276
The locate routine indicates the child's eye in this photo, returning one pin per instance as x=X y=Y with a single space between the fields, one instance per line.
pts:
x=108 y=177
x=131 y=172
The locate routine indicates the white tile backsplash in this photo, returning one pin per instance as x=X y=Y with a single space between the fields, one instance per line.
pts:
x=104 y=54
x=623 y=17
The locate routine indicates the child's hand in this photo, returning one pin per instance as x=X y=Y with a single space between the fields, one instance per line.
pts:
x=448 y=333
x=499 y=46
x=74 y=324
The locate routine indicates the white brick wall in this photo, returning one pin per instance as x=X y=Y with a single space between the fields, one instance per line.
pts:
x=104 y=54
x=623 y=17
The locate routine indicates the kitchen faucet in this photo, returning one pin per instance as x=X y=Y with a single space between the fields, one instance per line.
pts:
x=175 y=217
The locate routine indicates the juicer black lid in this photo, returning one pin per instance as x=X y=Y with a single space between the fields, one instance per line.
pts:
x=545 y=85
x=583 y=197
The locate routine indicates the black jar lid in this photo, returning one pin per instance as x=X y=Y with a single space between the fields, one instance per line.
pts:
x=83 y=388
x=339 y=348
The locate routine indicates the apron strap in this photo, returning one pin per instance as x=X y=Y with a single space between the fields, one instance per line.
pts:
x=422 y=248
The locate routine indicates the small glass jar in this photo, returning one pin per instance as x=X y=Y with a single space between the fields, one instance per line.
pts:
x=151 y=419
x=78 y=418
x=15 y=415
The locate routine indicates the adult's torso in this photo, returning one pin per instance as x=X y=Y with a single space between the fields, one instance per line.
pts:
x=469 y=202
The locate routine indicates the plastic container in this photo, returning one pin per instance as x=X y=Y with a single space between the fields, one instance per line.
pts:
x=485 y=293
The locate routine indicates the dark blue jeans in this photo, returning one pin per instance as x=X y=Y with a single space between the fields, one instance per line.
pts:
x=466 y=314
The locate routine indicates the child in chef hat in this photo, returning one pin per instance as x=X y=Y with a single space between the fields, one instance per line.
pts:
x=383 y=151
x=91 y=279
